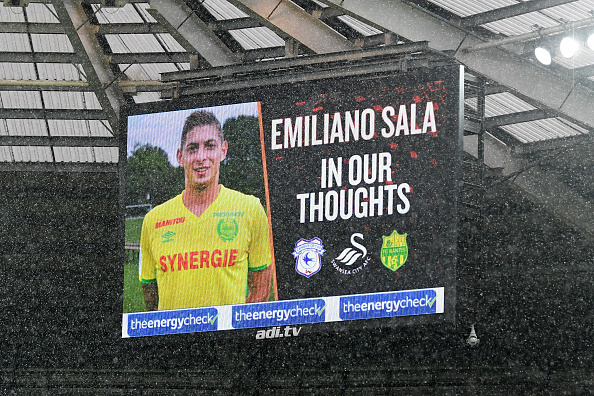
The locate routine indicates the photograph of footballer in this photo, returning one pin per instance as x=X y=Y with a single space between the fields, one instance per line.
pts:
x=210 y=244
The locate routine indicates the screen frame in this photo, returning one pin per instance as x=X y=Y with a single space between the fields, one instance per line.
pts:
x=212 y=97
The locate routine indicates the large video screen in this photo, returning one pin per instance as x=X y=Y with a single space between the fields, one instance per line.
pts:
x=319 y=202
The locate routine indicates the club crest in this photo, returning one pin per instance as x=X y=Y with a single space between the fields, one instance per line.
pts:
x=308 y=255
x=227 y=229
x=394 y=250
x=352 y=260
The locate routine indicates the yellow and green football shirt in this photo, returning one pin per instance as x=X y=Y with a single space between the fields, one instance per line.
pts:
x=204 y=261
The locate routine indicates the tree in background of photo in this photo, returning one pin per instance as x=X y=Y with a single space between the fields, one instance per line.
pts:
x=242 y=169
x=150 y=177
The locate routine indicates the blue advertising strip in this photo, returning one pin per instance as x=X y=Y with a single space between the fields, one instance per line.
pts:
x=382 y=305
x=172 y=322
x=278 y=313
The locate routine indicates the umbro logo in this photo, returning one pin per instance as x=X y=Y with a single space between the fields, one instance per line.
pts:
x=168 y=236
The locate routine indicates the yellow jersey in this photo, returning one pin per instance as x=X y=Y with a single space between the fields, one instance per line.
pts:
x=200 y=261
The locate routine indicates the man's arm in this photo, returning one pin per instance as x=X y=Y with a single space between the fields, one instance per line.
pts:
x=151 y=296
x=259 y=285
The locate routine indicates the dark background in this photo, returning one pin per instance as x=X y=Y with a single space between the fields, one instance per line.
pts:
x=530 y=300
x=524 y=279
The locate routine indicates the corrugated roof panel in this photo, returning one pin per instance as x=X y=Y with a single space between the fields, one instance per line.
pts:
x=472 y=103
x=540 y=130
x=504 y=103
x=583 y=57
x=125 y=14
x=142 y=7
x=41 y=13
x=133 y=43
x=17 y=71
x=465 y=8
x=99 y=128
x=32 y=154
x=74 y=154
x=257 y=37
x=10 y=14
x=3 y=127
x=6 y=154
x=359 y=26
x=14 y=42
x=222 y=10
x=147 y=71
x=144 y=97
x=26 y=127
x=81 y=128
x=579 y=129
x=106 y=154
x=68 y=128
x=521 y=24
x=171 y=44
x=51 y=43
x=20 y=100
x=70 y=100
x=60 y=72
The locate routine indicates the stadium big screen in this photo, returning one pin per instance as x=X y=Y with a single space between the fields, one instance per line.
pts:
x=338 y=205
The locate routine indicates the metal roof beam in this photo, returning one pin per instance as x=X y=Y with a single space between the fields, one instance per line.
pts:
x=82 y=37
x=515 y=118
x=510 y=11
x=308 y=30
x=59 y=141
x=321 y=63
x=57 y=167
x=232 y=24
x=40 y=57
x=131 y=28
x=262 y=53
x=43 y=85
x=586 y=71
x=35 y=28
x=53 y=114
x=552 y=144
x=552 y=91
x=544 y=188
x=194 y=31
x=151 y=57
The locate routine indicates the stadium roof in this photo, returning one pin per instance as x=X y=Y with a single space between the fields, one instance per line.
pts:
x=67 y=66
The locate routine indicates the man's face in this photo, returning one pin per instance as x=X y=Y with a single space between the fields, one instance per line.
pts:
x=201 y=156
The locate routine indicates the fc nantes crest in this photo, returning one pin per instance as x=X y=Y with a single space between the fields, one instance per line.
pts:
x=394 y=250
x=227 y=229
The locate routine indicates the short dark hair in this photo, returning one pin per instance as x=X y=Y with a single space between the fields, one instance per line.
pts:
x=197 y=119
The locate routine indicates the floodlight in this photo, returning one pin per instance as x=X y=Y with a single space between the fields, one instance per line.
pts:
x=590 y=41
x=543 y=55
x=568 y=47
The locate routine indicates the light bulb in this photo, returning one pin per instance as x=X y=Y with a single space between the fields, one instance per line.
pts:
x=568 y=47
x=543 y=55
x=590 y=41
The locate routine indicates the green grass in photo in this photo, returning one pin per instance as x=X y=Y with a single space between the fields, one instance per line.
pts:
x=133 y=297
x=132 y=230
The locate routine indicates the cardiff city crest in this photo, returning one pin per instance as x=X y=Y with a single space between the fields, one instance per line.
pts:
x=308 y=255
x=394 y=250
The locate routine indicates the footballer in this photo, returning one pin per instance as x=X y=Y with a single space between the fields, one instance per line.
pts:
x=209 y=245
